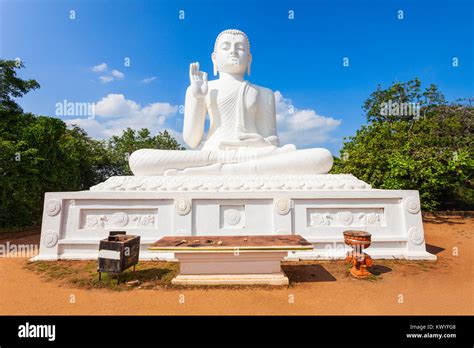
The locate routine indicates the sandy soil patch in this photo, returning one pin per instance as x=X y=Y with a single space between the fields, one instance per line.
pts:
x=443 y=287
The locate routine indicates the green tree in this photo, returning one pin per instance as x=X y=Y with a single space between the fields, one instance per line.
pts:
x=401 y=93
x=121 y=147
x=432 y=153
x=41 y=154
x=45 y=156
x=12 y=86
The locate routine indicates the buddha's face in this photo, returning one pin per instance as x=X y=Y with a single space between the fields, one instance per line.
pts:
x=232 y=54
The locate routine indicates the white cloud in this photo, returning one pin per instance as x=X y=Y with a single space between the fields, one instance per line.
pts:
x=107 y=76
x=117 y=74
x=106 y=79
x=91 y=126
x=303 y=128
x=149 y=79
x=99 y=68
x=114 y=113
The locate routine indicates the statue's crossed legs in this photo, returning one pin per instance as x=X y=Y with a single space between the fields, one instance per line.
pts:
x=240 y=161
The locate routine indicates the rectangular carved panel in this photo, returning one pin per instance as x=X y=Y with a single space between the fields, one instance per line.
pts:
x=118 y=218
x=340 y=217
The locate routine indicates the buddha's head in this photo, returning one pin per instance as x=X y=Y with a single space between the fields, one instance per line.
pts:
x=232 y=52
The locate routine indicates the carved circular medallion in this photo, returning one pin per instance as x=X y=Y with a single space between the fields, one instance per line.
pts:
x=345 y=217
x=232 y=217
x=50 y=239
x=53 y=207
x=120 y=219
x=412 y=205
x=282 y=206
x=416 y=235
x=183 y=206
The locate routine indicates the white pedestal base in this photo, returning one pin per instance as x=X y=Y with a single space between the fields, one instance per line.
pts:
x=317 y=207
x=278 y=279
x=229 y=268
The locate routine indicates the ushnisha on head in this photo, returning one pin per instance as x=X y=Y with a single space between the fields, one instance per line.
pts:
x=232 y=53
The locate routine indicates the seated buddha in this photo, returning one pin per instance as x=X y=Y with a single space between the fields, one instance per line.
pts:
x=242 y=137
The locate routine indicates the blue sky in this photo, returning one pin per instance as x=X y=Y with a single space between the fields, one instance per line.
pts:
x=301 y=58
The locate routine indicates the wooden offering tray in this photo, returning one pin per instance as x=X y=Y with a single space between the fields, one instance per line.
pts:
x=226 y=243
x=226 y=260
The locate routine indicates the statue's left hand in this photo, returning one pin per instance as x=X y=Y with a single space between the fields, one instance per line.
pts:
x=257 y=138
x=250 y=136
x=273 y=140
x=245 y=141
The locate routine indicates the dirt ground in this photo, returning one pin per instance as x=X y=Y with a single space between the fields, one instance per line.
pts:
x=442 y=287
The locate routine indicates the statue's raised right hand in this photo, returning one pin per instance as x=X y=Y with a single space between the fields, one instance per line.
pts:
x=198 y=81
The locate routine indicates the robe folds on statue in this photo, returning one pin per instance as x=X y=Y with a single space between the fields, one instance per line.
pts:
x=234 y=145
x=231 y=123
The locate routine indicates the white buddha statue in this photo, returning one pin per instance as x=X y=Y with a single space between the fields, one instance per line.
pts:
x=242 y=137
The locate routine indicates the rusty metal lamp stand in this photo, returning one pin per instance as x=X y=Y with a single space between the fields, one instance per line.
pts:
x=358 y=240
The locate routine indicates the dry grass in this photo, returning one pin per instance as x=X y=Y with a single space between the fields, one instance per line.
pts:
x=83 y=274
x=158 y=274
